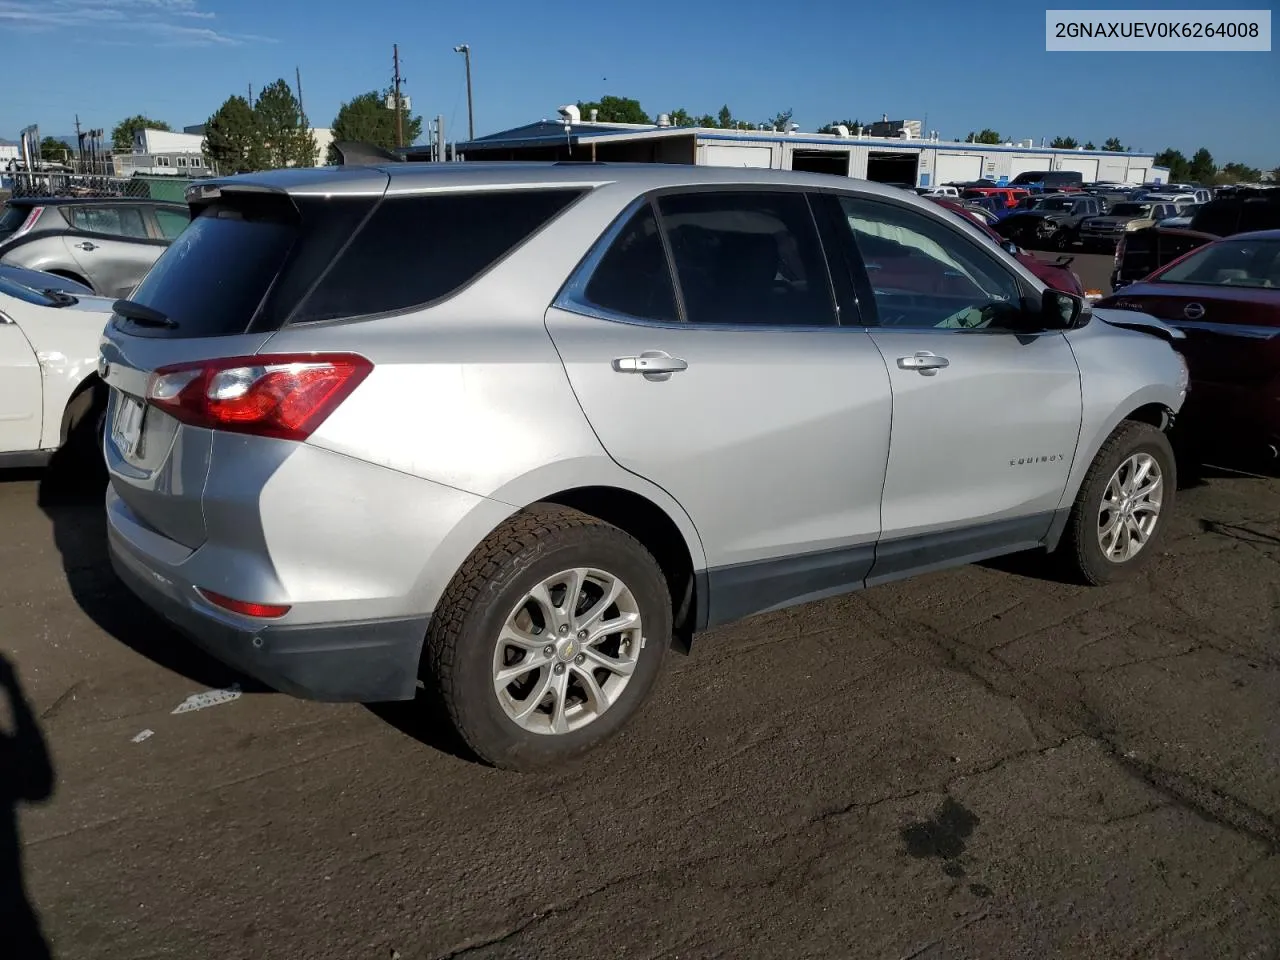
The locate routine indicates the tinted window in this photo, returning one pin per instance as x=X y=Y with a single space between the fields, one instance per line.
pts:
x=111 y=221
x=260 y=260
x=212 y=278
x=748 y=258
x=172 y=222
x=632 y=278
x=923 y=274
x=418 y=249
x=11 y=218
x=1132 y=209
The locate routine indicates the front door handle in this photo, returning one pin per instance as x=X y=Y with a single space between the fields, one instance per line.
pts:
x=86 y=245
x=652 y=364
x=923 y=362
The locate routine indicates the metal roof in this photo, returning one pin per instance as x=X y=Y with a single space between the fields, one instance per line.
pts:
x=546 y=133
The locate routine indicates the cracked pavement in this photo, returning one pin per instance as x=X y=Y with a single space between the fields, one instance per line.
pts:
x=978 y=763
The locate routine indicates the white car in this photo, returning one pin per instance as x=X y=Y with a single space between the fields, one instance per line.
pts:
x=50 y=394
x=952 y=192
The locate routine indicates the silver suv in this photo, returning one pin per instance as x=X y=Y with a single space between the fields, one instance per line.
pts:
x=517 y=429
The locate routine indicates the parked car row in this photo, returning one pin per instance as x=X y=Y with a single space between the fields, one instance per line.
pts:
x=510 y=433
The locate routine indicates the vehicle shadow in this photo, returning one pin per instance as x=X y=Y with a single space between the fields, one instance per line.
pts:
x=26 y=776
x=424 y=719
x=74 y=506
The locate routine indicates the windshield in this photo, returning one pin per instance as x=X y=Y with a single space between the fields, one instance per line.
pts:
x=1054 y=203
x=1229 y=263
x=1131 y=210
x=20 y=290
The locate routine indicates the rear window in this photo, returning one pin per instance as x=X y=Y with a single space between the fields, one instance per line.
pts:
x=12 y=217
x=258 y=262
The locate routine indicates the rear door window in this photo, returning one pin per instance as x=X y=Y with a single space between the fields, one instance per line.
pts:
x=748 y=258
x=633 y=277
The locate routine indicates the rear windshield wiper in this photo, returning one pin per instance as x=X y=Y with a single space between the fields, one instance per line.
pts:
x=142 y=314
x=60 y=298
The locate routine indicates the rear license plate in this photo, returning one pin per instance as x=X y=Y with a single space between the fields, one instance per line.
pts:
x=126 y=429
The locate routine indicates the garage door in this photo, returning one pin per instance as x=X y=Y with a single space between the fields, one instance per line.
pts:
x=1019 y=165
x=1137 y=175
x=957 y=168
x=716 y=156
x=1087 y=167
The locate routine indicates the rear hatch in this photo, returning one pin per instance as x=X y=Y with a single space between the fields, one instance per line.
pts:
x=222 y=289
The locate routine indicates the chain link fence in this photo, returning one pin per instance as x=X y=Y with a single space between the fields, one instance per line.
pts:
x=50 y=184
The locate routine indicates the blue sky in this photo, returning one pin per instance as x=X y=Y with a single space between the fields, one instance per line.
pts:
x=958 y=66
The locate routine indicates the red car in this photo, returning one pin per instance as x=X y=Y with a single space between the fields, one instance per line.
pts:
x=1056 y=275
x=1010 y=195
x=1225 y=296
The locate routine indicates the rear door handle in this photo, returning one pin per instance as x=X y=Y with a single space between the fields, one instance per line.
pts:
x=86 y=245
x=923 y=362
x=652 y=364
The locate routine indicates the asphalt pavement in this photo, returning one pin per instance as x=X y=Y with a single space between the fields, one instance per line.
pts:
x=984 y=762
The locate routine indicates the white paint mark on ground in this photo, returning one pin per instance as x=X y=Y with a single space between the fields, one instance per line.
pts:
x=210 y=698
x=143 y=736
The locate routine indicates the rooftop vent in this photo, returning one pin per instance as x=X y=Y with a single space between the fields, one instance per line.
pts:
x=842 y=130
x=664 y=120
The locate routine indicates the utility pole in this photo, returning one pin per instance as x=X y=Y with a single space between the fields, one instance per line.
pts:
x=395 y=78
x=465 y=50
x=302 y=111
x=251 y=96
x=79 y=140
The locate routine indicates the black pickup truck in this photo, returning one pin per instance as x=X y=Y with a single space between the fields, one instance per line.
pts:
x=1142 y=251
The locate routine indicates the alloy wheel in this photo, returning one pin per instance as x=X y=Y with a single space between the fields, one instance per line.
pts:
x=567 y=651
x=1130 y=507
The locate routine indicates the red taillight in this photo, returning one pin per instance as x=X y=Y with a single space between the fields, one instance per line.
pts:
x=265 y=611
x=284 y=396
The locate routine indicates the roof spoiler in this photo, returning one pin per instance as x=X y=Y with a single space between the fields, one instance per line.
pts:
x=355 y=152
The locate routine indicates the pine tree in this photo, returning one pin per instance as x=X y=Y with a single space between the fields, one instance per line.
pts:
x=232 y=139
x=286 y=137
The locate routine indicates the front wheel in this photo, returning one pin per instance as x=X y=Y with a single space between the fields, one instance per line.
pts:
x=1120 y=513
x=549 y=638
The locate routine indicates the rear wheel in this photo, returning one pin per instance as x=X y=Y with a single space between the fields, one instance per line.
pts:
x=1120 y=513
x=549 y=638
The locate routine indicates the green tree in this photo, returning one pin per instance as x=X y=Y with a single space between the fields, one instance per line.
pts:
x=285 y=134
x=615 y=110
x=1202 y=168
x=1179 y=169
x=853 y=126
x=1114 y=145
x=724 y=119
x=233 y=139
x=54 y=150
x=1064 y=143
x=1090 y=146
x=122 y=133
x=781 y=120
x=706 y=120
x=986 y=136
x=368 y=119
x=1238 y=173
x=680 y=118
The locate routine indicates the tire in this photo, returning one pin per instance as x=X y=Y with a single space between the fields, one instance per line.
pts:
x=79 y=463
x=463 y=652
x=1062 y=239
x=1081 y=549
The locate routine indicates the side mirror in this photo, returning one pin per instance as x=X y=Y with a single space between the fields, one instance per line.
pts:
x=1062 y=311
x=1011 y=248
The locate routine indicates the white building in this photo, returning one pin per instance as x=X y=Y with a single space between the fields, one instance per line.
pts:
x=906 y=159
x=164 y=153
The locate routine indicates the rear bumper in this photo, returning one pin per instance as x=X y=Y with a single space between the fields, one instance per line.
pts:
x=361 y=661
